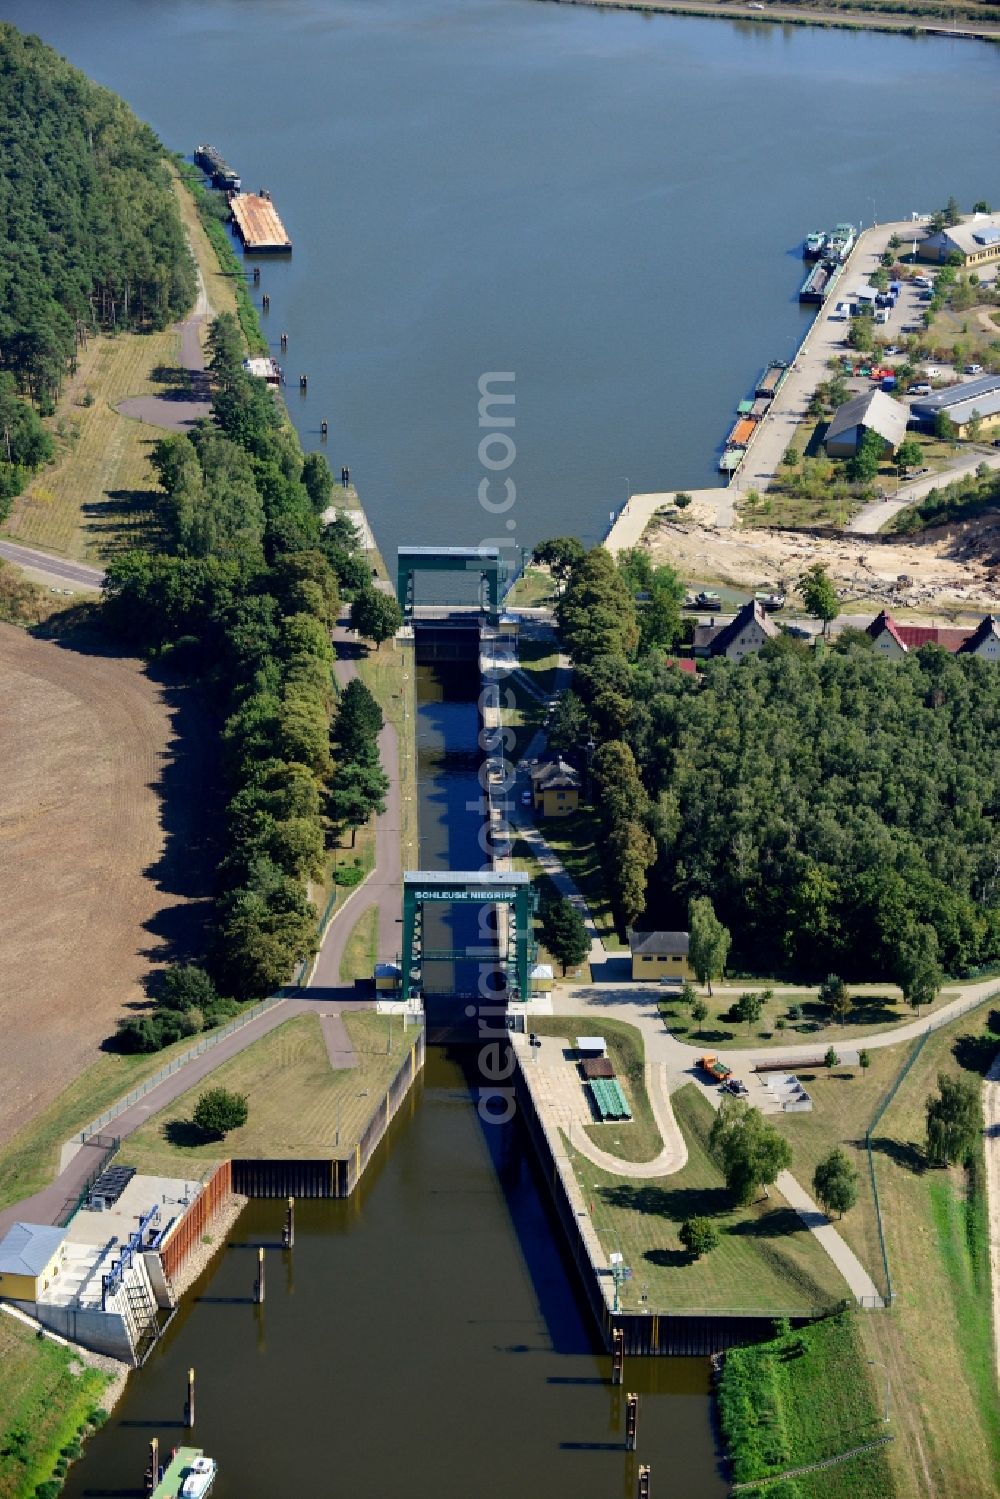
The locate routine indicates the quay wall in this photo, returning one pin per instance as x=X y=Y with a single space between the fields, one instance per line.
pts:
x=654 y=1333
x=337 y=1176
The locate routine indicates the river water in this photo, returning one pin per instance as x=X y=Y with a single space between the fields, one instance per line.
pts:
x=608 y=205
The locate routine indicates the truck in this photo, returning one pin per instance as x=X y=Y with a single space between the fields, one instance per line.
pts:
x=716 y=1070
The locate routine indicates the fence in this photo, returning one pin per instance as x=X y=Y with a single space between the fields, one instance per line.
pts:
x=944 y=1017
x=109 y=1149
x=205 y=1044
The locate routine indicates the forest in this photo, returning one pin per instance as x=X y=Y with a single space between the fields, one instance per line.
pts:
x=240 y=590
x=839 y=808
x=92 y=234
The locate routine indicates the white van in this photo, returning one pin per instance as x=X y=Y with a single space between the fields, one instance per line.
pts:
x=920 y=390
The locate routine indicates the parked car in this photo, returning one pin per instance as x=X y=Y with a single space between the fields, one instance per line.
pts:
x=735 y=1087
x=525 y=798
x=840 y=313
x=973 y=369
x=922 y=389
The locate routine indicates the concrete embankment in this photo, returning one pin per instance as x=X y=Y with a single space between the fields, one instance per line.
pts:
x=656 y=1332
x=822 y=341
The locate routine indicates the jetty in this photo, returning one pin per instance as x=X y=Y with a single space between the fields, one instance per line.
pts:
x=257 y=223
x=169 y=1486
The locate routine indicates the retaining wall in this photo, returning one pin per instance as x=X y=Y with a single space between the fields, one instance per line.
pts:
x=187 y=1231
x=334 y=1177
x=650 y=1333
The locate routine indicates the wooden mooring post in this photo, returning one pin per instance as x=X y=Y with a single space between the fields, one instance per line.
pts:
x=631 y=1422
x=644 y=1481
x=189 y=1403
x=153 y=1471
x=617 y=1356
x=288 y=1232
x=258 y=1290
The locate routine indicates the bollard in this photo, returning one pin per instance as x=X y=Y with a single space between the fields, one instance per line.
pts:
x=256 y=275
x=288 y=1235
x=284 y=340
x=189 y=1404
x=323 y=430
x=644 y=1481
x=152 y=1472
x=265 y=302
x=618 y=1357
x=259 y=1287
x=631 y=1422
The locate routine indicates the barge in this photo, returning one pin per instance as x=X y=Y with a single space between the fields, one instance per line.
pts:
x=819 y=283
x=215 y=167
x=258 y=225
x=772 y=379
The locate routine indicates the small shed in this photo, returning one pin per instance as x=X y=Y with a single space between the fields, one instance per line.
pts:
x=658 y=955
x=591 y=1046
x=541 y=979
x=592 y=1067
x=555 y=788
x=388 y=978
x=30 y=1258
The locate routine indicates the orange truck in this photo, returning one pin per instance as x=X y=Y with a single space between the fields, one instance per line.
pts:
x=715 y=1069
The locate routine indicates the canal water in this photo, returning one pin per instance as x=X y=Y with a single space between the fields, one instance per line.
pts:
x=608 y=205
x=426 y=1338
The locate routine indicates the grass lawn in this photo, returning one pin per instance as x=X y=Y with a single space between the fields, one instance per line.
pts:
x=361 y=950
x=639 y=1140
x=572 y=839
x=388 y=673
x=844 y=1102
x=802 y=1397
x=31 y=1160
x=535 y=586
x=539 y=658
x=937 y=1341
x=878 y=1007
x=96 y=498
x=98 y=494
x=766 y=1260
x=46 y=1395
x=297 y=1102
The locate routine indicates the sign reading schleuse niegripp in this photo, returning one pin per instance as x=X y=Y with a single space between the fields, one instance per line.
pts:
x=463 y=892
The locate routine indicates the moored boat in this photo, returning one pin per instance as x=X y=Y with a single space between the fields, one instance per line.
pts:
x=199 y=1477
x=215 y=166
x=814 y=245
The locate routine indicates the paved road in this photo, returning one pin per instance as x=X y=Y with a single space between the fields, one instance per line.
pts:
x=58 y=569
x=796 y=15
x=873 y=517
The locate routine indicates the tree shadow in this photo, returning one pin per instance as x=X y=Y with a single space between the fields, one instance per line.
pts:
x=675 y=1203
x=774 y=1223
x=669 y=1259
x=711 y=1038
x=187 y=788
x=904 y=1152
x=122 y=519
x=185 y=1134
x=976 y=1053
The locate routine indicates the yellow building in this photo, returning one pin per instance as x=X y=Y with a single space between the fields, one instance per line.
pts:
x=31 y=1256
x=555 y=788
x=660 y=955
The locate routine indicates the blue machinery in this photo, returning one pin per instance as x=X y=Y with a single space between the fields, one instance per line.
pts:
x=485 y=561
x=514 y=958
x=113 y=1281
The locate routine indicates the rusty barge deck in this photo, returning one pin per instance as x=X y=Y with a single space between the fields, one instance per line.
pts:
x=258 y=225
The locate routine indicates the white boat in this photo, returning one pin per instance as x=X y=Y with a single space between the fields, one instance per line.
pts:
x=199 y=1478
